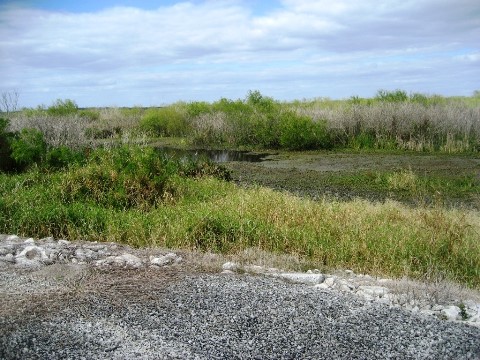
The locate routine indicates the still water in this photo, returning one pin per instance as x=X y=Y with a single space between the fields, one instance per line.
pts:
x=218 y=156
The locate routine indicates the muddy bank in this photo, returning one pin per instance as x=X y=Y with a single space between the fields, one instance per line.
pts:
x=336 y=175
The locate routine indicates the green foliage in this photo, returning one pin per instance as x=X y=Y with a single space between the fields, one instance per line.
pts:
x=135 y=196
x=62 y=108
x=463 y=311
x=391 y=120
x=6 y=161
x=302 y=133
x=391 y=96
x=215 y=233
x=261 y=103
x=166 y=121
x=131 y=177
x=135 y=112
x=197 y=108
x=364 y=140
x=92 y=115
x=28 y=147
x=62 y=157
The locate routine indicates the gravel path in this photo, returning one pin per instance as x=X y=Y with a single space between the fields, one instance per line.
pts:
x=78 y=311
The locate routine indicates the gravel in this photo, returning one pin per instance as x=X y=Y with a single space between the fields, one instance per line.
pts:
x=69 y=310
x=233 y=317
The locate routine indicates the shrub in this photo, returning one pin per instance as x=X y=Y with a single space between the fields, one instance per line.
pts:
x=62 y=108
x=29 y=147
x=261 y=103
x=92 y=115
x=164 y=122
x=364 y=140
x=301 y=132
x=131 y=177
x=62 y=157
x=391 y=96
x=198 y=108
x=6 y=161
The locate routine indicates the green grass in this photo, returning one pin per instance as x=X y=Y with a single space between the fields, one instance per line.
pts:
x=131 y=196
x=407 y=183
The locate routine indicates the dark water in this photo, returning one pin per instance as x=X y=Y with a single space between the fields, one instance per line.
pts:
x=218 y=156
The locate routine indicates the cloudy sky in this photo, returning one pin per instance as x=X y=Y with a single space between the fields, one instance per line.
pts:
x=145 y=52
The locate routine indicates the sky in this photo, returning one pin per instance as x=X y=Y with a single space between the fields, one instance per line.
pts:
x=151 y=53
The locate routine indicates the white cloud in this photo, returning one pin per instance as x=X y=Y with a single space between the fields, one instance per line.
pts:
x=206 y=50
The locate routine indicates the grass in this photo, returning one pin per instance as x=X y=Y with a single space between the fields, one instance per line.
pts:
x=135 y=198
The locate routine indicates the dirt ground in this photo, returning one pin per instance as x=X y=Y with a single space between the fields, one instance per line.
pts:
x=309 y=173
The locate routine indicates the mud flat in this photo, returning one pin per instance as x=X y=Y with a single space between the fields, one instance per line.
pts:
x=339 y=175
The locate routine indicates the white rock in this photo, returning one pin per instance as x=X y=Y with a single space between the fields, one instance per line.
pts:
x=31 y=256
x=330 y=281
x=231 y=266
x=12 y=237
x=29 y=241
x=303 y=278
x=109 y=260
x=84 y=254
x=322 y=286
x=164 y=260
x=9 y=258
x=63 y=242
x=256 y=269
x=451 y=312
x=373 y=291
x=227 y=272
x=129 y=261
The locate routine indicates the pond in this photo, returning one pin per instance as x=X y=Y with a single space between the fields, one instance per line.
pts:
x=219 y=156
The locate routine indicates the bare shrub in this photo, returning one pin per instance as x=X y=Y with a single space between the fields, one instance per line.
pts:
x=66 y=130
x=9 y=101
x=209 y=128
x=450 y=126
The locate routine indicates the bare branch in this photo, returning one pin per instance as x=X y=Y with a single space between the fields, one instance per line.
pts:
x=9 y=101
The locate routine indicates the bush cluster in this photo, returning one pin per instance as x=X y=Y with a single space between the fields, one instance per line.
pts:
x=392 y=120
x=26 y=148
x=167 y=121
x=256 y=121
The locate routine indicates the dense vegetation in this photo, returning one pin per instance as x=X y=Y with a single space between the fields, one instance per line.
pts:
x=61 y=178
x=392 y=120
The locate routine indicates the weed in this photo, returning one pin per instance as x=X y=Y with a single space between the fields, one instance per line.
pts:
x=463 y=311
x=403 y=180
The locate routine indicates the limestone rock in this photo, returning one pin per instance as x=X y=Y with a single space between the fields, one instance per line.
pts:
x=31 y=255
x=303 y=278
x=451 y=312
x=230 y=266
x=168 y=259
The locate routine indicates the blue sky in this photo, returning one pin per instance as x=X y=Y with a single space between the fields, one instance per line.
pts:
x=125 y=53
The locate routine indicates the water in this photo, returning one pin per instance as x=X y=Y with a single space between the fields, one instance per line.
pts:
x=218 y=156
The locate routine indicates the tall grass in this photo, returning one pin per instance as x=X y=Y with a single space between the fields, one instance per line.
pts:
x=139 y=198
